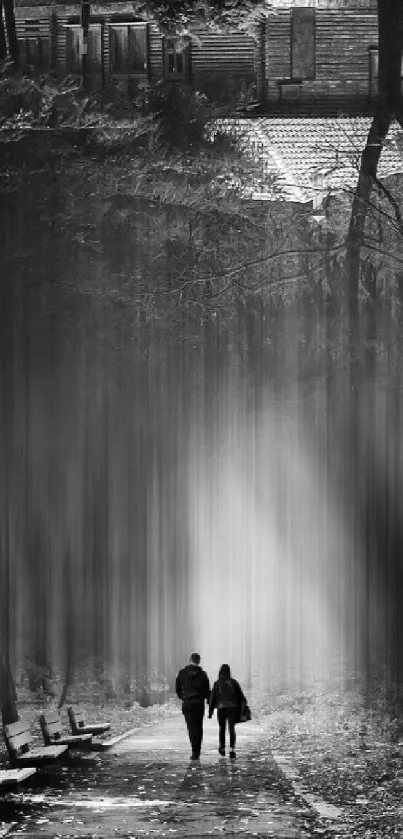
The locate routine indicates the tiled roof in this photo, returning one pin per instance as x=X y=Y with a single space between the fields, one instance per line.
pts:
x=310 y=155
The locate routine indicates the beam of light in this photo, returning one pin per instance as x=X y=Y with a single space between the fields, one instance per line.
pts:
x=270 y=552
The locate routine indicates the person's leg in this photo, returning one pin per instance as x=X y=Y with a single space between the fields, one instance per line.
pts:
x=188 y=713
x=231 y=725
x=222 y=718
x=187 y=719
x=198 y=716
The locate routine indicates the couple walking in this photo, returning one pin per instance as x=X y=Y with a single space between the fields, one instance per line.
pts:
x=193 y=688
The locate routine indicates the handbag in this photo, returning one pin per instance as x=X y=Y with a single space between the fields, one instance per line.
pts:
x=244 y=713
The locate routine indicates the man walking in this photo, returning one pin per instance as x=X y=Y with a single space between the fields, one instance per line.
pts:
x=193 y=688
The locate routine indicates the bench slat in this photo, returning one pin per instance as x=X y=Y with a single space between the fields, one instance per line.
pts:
x=38 y=758
x=19 y=740
x=52 y=727
x=98 y=728
x=79 y=725
x=52 y=717
x=48 y=752
x=79 y=719
x=16 y=728
x=94 y=728
x=53 y=734
x=10 y=777
x=74 y=739
x=77 y=713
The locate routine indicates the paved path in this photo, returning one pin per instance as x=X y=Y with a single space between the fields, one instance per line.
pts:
x=146 y=786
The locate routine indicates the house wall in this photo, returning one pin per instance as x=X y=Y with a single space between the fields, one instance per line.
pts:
x=34 y=37
x=223 y=57
x=214 y=57
x=102 y=18
x=344 y=32
x=342 y=63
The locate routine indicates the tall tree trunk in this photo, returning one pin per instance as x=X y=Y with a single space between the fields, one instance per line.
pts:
x=7 y=8
x=34 y=537
x=8 y=695
x=7 y=689
x=8 y=705
x=389 y=107
x=69 y=625
x=3 y=42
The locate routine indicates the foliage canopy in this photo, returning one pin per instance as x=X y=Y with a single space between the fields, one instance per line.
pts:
x=221 y=15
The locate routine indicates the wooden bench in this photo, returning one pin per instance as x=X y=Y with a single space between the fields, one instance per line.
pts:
x=12 y=777
x=18 y=741
x=79 y=725
x=53 y=735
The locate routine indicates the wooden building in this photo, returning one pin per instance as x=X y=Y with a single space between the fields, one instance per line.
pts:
x=324 y=51
x=317 y=53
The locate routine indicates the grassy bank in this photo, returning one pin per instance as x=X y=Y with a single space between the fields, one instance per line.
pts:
x=346 y=748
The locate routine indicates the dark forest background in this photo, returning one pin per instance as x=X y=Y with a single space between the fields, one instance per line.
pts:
x=198 y=393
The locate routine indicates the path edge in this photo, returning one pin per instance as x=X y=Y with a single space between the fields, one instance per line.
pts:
x=326 y=811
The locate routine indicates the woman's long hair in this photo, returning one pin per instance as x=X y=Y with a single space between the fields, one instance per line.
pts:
x=224 y=673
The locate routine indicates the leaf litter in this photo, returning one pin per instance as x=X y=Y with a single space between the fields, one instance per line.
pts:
x=345 y=747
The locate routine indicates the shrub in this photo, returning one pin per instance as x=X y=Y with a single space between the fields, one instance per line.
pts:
x=183 y=114
x=43 y=98
x=229 y=92
x=17 y=95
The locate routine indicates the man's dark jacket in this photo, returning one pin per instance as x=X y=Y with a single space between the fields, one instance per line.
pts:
x=192 y=683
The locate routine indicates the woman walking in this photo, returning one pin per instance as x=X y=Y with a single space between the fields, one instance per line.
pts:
x=228 y=698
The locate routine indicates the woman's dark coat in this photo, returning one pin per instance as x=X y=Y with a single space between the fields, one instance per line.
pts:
x=226 y=694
